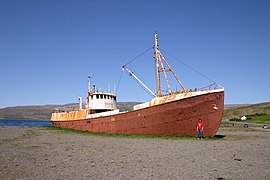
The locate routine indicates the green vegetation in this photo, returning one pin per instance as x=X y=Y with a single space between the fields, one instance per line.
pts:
x=260 y=118
x=261 y=108
x=127 y=135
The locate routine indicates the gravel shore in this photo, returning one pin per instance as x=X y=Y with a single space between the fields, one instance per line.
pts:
x=42 y=153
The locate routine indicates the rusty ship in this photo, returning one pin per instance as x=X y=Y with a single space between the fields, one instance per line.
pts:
x=173 y=113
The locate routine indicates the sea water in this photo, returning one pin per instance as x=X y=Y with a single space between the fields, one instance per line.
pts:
x=24 y=123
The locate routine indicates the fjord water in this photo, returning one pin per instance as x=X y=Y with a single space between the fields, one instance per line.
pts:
x=24 y=123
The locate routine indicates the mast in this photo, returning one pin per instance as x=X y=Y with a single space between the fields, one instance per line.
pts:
x=157 y=65
x=161 y=68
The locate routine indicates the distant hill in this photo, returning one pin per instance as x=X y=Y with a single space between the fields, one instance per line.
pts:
x=43 y=112
x=126 y=106
x=237 y=111
x=230 y=106
x=27 y=112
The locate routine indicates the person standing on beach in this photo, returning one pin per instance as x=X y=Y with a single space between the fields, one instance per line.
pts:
x=200 y=129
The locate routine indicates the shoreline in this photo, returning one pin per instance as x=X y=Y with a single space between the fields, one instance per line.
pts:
x=42 y=153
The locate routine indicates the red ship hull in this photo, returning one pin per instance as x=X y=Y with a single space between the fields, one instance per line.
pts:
x=178 y=117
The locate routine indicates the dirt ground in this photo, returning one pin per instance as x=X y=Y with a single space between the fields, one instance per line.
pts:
x=40 y=153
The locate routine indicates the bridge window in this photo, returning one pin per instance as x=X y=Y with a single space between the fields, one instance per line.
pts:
x=97 y=96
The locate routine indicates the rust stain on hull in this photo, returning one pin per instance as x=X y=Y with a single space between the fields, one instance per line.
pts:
x=174 y=118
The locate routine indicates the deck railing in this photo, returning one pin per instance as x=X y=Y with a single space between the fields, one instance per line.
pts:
x=67 y=108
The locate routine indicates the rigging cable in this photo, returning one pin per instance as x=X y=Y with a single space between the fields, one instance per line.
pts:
x=190 y=67
x=119 y=82
x=138 y=56
x=129 y=63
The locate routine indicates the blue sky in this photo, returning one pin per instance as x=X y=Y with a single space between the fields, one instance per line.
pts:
x=49 y=47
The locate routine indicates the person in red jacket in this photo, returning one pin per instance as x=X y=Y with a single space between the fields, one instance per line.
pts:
x=200 y=129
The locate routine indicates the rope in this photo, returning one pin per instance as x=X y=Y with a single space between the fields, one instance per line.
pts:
x=129 y=63
x=138 y=56
x=189 y=67
x=119 y=82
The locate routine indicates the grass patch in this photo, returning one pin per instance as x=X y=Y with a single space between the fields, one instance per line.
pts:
x=259 y=118
x=249 y=109
x=237 y=129
x=128 y=135
x=226 y=122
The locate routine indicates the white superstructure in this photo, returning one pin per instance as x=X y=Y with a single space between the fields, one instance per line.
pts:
x=98 y=101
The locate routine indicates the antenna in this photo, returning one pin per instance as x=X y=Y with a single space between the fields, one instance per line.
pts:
x=80 y=102
x=89 y=83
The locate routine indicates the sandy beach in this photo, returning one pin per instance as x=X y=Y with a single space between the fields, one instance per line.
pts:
x=42 y=153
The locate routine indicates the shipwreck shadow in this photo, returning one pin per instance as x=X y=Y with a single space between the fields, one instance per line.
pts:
x=219 y=136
